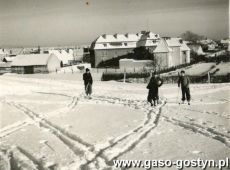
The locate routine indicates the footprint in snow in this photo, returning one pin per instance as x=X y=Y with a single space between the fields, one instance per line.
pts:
x=196 y=152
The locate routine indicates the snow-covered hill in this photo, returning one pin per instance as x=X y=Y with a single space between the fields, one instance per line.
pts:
x=49 y=122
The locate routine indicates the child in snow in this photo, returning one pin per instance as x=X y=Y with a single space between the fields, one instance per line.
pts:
x=88 y=82
x=184 y=82
x=154 y=83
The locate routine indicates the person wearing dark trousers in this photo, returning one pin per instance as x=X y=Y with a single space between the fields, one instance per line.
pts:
x=153 y=86
x=88 y=82
x=184 y=82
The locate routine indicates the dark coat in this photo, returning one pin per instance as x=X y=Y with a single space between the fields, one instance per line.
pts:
x=153 y=86
x=87 y=79
x=183 y=81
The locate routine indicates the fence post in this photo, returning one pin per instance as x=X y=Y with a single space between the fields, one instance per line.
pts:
x=124 y=75
x=209 y=78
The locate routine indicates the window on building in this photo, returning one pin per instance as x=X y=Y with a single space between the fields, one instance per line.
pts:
x=125 y=44
x=116 y=43
x=105 y=45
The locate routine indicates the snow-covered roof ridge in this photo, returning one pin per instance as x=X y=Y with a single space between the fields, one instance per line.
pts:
x=31 y=59
x=127 y=40
x=62 y=55
x=9 y=59
x=173 y=42
x=184 y=47
x=162 y=47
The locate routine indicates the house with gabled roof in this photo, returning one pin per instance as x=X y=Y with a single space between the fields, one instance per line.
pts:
x=64 y=56
x=3 y=54
x=35 y=63
x=196 y=48
x=8 y=59
x=108 y=46
x=171 y=52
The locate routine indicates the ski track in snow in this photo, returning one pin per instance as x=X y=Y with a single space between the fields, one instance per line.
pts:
x=20 y=124
x=197 y=128
x=78 y=146
x=209 y=112
x=120 y=145
x=14 y=127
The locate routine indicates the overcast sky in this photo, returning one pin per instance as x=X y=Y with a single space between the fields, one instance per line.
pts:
x=73 y=22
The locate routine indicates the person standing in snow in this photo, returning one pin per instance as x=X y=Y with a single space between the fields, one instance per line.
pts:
x=184 y=82
x=88 y=82
x=154 y=83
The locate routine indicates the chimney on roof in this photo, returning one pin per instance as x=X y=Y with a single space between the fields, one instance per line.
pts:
x=143 y=32
x=181 y=41
x=104 y=36
x=166 y=38
x=115 y=35
x=127 y=35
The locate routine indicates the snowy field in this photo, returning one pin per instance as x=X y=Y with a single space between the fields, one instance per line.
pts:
x=48 y=122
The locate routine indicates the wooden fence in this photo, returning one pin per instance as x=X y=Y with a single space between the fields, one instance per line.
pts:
x=133 y=77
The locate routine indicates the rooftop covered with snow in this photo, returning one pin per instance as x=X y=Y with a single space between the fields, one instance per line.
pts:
x=31 y=59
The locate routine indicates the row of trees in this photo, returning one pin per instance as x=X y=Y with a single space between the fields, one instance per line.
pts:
x=193 y=37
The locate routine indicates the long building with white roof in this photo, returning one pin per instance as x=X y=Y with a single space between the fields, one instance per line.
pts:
x=106 y=46
x=171 y=51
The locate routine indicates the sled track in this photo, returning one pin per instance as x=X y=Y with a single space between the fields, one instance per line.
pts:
x=196 y=128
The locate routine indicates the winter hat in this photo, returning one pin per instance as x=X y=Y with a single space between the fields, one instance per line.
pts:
x=86 y=69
